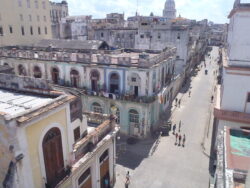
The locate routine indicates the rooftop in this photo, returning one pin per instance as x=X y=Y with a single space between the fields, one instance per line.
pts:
x=24 y=98
x=238 y=149
x=72 y=44
x=13 y=103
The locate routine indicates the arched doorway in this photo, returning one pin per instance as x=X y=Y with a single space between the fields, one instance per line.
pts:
x=95 y=76
x=74 y=77
x=114 y=82
x=21 y=70
x=37 y=72
x=53 y=156
x=55 y=75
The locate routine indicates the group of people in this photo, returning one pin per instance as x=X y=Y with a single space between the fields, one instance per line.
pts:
x=178 y=136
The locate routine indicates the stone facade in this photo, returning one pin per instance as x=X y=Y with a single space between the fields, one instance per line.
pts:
x=24 y=22
x=57 y=12
x=139 y=83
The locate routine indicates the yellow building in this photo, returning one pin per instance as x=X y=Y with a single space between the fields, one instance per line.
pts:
x=45 y=140
x=24 y=21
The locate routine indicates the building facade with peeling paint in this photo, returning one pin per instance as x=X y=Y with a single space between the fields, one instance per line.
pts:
x=140 y=84
x=45 y=140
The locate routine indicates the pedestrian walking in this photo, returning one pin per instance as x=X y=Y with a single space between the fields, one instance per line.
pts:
x=189 y=93
x=180 y=126
x=174 y=128
x=183 y=140
x=179 y=139
x=127 y=181
x=212 y=98
x=176 y=138
x=179 y=103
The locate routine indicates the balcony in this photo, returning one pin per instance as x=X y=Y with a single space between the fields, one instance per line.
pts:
x=239 y=117
x=85 y=148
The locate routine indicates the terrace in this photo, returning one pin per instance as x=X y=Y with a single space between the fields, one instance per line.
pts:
x=122 y=57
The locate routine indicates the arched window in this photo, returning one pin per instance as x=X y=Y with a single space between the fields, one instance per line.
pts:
x=21 y=70
x=114 y=83
x=133 y=116
x=53 y=156
x=74 y=77
x=55 y=75
x=94 y=77
x=96 y=107
x=37 y=72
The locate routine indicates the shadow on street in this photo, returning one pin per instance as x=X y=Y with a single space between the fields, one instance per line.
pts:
x=130 y=156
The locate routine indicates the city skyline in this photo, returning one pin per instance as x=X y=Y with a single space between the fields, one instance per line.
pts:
x=213 y=10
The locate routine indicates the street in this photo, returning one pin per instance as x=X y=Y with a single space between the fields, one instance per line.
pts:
x=166 y=165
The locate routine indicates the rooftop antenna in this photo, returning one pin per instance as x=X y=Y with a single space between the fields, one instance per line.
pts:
x=136 y=7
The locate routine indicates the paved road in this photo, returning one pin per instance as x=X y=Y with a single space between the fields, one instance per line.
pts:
x=173 y=166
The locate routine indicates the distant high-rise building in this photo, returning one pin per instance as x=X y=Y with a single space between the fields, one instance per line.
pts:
x=169 y=9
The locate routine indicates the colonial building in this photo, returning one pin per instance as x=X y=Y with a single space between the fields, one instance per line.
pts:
x=57 y=12
x=139 y=83
x=24 y=21
x=75 y=27
x=45 y=140
x=169 y=9
x=233 y=109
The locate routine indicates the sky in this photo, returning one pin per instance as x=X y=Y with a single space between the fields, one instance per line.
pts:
x=213 y=10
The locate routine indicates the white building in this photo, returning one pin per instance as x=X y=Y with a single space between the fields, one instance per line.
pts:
x=169 y=9
x=233 y=105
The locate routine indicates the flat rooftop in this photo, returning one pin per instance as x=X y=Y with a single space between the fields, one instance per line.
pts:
x=238 y=149
x=13 y=103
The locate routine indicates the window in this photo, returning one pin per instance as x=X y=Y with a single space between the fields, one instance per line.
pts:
x=118 y=116
x=142 y=36
x=104 y=156
x=22 y=30
x=21 y=17
x=133 y=79
x=248 y=97
x=159 y=35
x=37 y=72
x=30 y=18
x=178 y=36
x=11 y=30
x=44 y=5
x=45 y=30
x=39 y=31
x=28 y=3
x=133 y=116
x=36 y=4
x=96 y=107
x=85 y=175
x=38 y=18
x=1 y=31
x=102 y=35
x=44 y=18
x=20 y=3
x=76 y=133
x=31 y=30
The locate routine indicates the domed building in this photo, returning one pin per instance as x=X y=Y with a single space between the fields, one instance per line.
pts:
x=169 y=10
